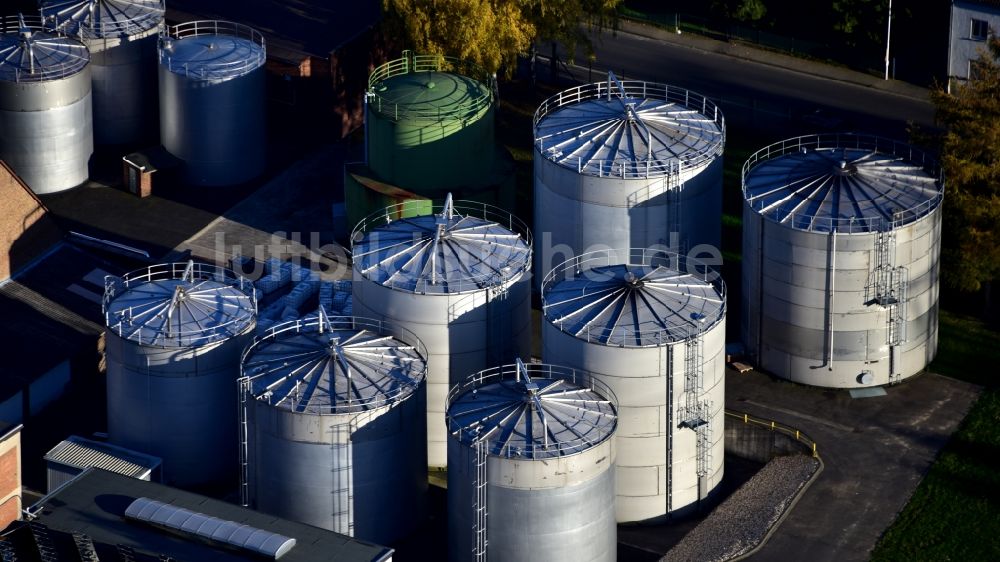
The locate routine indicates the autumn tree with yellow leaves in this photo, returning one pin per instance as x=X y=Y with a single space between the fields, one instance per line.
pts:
x=492 y=33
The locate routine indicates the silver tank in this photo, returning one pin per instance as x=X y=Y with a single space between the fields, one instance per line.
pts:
x=335 y=426
x=456 y=275
x=121 y=36
x=841 y=249
x=173 y=341
x=212 y=113
x=652 y=326
x=531 y=466
x=46 y=130
x=626 y=165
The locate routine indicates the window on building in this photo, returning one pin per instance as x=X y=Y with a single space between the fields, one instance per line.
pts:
x=980 y=29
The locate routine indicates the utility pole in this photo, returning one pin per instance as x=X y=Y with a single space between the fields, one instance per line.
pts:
x=888 y=36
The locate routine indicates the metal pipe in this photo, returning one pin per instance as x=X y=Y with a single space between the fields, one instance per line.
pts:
x=833 y=277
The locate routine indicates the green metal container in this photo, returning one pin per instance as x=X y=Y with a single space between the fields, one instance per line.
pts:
x=430 y=124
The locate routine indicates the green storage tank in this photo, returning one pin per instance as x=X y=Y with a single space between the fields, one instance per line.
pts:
x=429 y=131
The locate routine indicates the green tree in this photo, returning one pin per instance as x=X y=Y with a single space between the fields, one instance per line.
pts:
x=492 y=33
x=970 y=157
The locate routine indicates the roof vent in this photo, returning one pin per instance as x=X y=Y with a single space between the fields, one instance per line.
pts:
x=220 y=531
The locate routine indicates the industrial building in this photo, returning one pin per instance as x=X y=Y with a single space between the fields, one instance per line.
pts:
x=73 y=455
x=652 y=326
x=626 y=164
x=173 y=338
x=45 y=105
x=531 y=466
x=108 y=516
x=10 y=472
x=841 y=254
x=454 y=274
x=212 y=101
x=121 y=36
x=333 y=418
x=429 y=131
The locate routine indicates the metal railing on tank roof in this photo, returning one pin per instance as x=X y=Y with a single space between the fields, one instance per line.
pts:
x=851 y=141
x=322 y=323
x=670 y=330
x=31 y=32
x=411 y=63
x=77 y=18
x=498 y=446
x=628 y=92
x=382 y=221
x=205 y=69
x=127 y=322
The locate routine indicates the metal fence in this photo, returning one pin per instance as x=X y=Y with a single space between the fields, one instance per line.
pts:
x=64 y=56
x=206 y=69
x=139 y=17
x=798 y=435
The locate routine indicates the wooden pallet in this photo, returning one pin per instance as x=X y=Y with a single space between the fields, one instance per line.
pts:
x=740 y=367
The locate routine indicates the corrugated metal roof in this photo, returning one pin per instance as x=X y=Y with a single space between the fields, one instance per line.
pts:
x=854 y=183
x=333 y=366
x=533 y=411
x=83 y=453
x=29 y=54
x=451 y=252
x=103 y=18
x=643 y=304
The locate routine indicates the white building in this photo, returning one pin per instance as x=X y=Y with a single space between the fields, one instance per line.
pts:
x=973 y=22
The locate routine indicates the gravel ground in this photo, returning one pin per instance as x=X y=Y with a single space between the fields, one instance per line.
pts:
x=741 y=522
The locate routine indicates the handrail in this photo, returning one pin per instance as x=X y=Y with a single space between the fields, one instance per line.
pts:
x=341 y=323
x=410 y=63
x=26 y=28
x=775 y=426
x=148 y=15
x=631 y=91
x=205 y=69
x=872 y=143
x=385 y=217
x=117 y=322
x=582 y=264
x=577 y=377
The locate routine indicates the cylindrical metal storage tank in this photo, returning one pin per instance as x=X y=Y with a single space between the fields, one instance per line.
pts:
x=121 y=36
x=212 y=113
x=531 y=466
x=652 y=326
x=841 y=246
x=456 y=275
x=46 y=130
x=334 y=410
x=173 y=341
x=429 y=123
x=626 y=164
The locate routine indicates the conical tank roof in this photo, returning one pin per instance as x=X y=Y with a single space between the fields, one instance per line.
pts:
x=179 y=305
x=95 y=19
x=629 y=129
x=532 y=411
x=461 y=247
x=28 y=53
x=430 y=88
x=334 y=365
x=854 y=183
x=633 y=299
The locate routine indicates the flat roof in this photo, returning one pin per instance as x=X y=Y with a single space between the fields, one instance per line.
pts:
x=7 y=429
x=94 y=504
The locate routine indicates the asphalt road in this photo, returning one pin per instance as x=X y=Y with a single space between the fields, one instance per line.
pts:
x=770 y=99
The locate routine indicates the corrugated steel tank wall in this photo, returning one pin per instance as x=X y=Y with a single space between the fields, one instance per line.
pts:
x=297 y=457
x=46 y=127
x=582 y=205
x=787 y=299
x=178 y=404
x=464 y=333
x=656 y=464
x=215 y=124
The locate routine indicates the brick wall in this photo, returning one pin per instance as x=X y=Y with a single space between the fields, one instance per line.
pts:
x=10 y=478
x=26 y=229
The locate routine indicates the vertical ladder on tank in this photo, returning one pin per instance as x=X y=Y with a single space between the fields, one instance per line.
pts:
x=480 y=540
x=896 y=318
x=343 y=479
x=673 y=194
x=704 y=442
x=697 y=412
x=244 y=390
x=883 y=254
x=887 y=288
